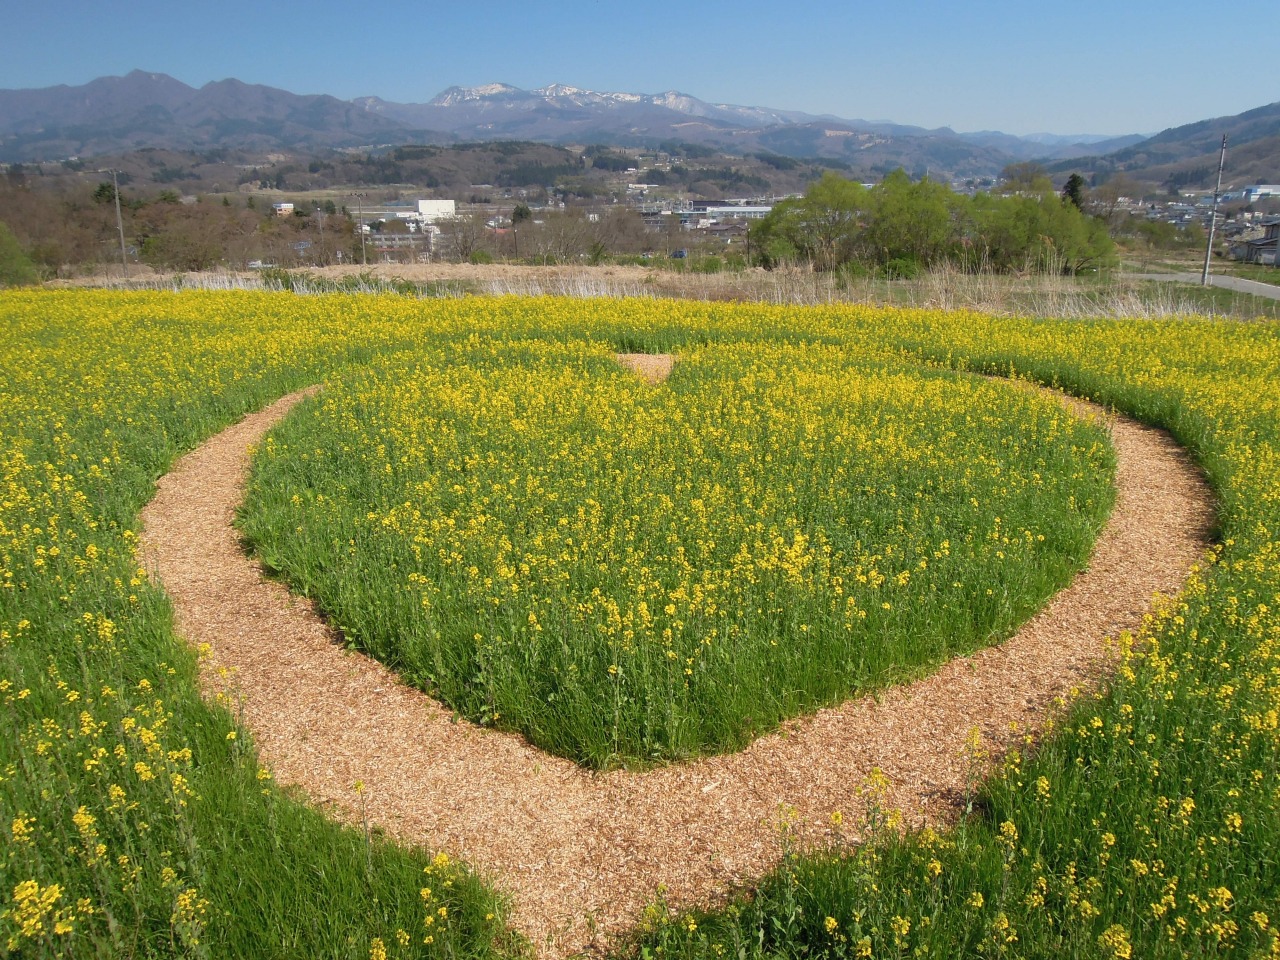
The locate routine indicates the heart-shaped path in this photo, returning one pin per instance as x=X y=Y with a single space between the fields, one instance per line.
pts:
x=582 y=853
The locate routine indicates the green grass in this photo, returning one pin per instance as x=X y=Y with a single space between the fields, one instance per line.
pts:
x=1255 y=271
x=1216 y=301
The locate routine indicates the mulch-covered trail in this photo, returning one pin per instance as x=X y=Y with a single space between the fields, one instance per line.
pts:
x=581 y=853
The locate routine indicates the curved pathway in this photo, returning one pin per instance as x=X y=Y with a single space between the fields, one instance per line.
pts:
x=581 y=853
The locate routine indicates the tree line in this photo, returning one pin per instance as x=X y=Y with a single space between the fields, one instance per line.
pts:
x=901 y=227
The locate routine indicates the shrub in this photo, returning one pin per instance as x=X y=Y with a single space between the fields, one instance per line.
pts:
x=16 y=269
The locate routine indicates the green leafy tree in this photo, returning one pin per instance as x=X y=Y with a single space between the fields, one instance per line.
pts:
x=1034 y=233
x=911 y=223
x=822 y=228
x=1026 y=177
x=16 y=269
x=899 y=227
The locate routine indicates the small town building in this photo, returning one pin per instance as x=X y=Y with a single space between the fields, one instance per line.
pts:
x=1259 y=249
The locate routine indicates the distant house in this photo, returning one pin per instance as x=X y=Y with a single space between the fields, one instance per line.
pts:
x=738 y=212
x=283 y=209
x=1258 y=191
x=429 y=211
x=1260 y=249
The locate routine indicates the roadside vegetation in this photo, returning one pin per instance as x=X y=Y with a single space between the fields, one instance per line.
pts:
x=1262 y=273
x=139 y=820
x=16 y=268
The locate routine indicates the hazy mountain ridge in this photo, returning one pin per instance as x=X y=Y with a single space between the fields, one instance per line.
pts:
x=154 y=110
x=146 y=109
x=1187 y=156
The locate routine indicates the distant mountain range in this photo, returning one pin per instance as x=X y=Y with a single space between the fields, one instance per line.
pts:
x=116 y=114
x=1188 y=155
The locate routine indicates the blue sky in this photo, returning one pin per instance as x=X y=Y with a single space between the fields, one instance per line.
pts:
x=1027 y=67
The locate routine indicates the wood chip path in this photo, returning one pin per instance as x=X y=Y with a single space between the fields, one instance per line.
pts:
x=582 y=853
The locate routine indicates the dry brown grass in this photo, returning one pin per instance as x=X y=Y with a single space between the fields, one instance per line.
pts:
x=943 y=288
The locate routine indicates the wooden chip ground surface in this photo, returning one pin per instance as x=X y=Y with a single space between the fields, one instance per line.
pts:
x=582 y=853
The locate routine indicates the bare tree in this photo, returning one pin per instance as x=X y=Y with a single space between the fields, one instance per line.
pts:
x=462 y=237
x=622 y=230
x=564 y=236
x=1104 y=200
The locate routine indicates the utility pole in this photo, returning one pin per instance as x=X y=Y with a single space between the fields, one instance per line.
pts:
x=1213 y=217
x=115 y=187
x=320 y=217
x=364 y=253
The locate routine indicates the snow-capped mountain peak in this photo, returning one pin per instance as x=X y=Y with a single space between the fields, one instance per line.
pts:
x=456 y=95
x=561 y=90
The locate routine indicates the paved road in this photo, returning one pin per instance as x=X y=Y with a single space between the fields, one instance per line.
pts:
x=1238 y=284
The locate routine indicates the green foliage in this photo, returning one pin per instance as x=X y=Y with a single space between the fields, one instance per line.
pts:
x=689 y=151
x=16 y=268
x=1026 y=177
x=823 y=227
x=898 y=222
x=777 y=161
x=611 y=162
x=911 y=221
x=1073 y=191
x=1019 y=233
x=902 y=268
x=1160 y=235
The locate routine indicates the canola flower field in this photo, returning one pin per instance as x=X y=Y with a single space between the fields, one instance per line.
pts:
x=138 y=823
x=628 y=573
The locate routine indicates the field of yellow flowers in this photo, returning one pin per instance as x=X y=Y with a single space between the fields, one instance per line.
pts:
x=137 y=821
x=630 y=573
